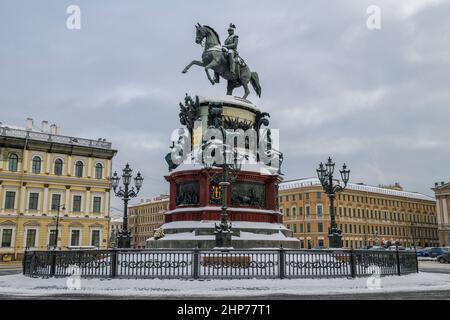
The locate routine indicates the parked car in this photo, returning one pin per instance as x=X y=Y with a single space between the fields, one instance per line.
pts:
x=434 y=251
x=444 y=258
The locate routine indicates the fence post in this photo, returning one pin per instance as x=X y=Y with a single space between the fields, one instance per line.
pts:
x=398 y=263
x=352 y=264
x=114 y=264
x=24 y=261
x=195 y=261
x=52 y=263
x=417 y=262
x=281 y=260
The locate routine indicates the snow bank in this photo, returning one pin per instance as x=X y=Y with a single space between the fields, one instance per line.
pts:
x=21 y=285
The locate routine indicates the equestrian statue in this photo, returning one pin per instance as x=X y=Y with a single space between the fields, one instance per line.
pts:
x=224 y=60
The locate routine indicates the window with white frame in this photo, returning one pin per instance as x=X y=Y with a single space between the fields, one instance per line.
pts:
x=10 y=200
x=13 y=162
x=76 y=203
x=56 y=201
x=36 y=164
x=33 y=201
x=75 y=237
x=31 y=238
x=95 y=237
x=97 y=204
x=6 y=237
x=79 y=168
x=58 y=167
x=319 y=211
x=98 y=171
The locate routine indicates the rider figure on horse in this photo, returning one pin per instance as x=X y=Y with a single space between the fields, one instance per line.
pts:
x=230 y=47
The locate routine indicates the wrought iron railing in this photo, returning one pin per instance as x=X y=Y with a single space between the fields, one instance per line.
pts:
x=218 y=264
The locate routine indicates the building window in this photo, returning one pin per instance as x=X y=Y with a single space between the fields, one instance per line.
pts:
x=58 y=169
x=287 y=212
x=301 y=227
x=36 y=165
x=6 y=238
x=318 y=194
x=294 y=212
x=320 y=227
x=308 y=227
x=320 y=243
x=293 y=197
x=10 y=199
x=308 y=211
x=31 y=238
x=75 y=238
x=340 y=211
x=98 y=171
x=97 y=204
x=13 y=162
x=56 y=201
x=300 y=211
x=95 y=238
x=79 y=166
x=76 y=207
x=295 y=228
x=33 y=202
x=52 y=238
x=319 y=211
x=287 y=198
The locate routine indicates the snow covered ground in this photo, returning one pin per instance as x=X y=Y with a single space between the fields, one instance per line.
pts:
x=19 y=285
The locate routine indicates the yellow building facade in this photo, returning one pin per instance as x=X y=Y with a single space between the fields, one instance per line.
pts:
x=48 y=179
x=367 y=215
x=442 y=192
x=145 y=218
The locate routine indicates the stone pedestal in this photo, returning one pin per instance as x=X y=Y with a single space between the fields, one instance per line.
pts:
x=251 y=200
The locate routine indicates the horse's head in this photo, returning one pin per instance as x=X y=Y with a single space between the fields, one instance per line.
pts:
x=200 y=34
x=212 y=38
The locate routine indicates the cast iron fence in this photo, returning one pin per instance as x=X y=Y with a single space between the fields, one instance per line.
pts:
x=218 y=264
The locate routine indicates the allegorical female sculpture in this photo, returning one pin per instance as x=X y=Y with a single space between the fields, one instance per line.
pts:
x=224 y=60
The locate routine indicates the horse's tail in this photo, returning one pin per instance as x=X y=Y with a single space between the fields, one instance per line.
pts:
x=255 y=83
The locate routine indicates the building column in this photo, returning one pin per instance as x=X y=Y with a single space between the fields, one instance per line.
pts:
x=1 y=158
x=45 y=202
x=445 y=209
x=48 y=167
x=23 y=195
x=438 y=211
x=25 y=161
x=1 y=195
x=69 y=165
x=89 y=168
x=87 y=208
x=67 y=200
x=106 y=203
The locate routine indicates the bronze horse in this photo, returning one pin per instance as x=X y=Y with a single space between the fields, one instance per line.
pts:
x=215 y=59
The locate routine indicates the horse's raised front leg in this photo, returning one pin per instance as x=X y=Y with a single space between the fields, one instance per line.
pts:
x=196 y=62
x=212 y=65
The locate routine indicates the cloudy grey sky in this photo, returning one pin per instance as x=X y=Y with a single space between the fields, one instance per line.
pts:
x=376 y=99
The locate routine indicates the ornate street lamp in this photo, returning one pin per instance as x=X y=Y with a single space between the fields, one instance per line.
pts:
x=124 y=236
x=331 y=187
x=58 y=207
x=223 y=178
